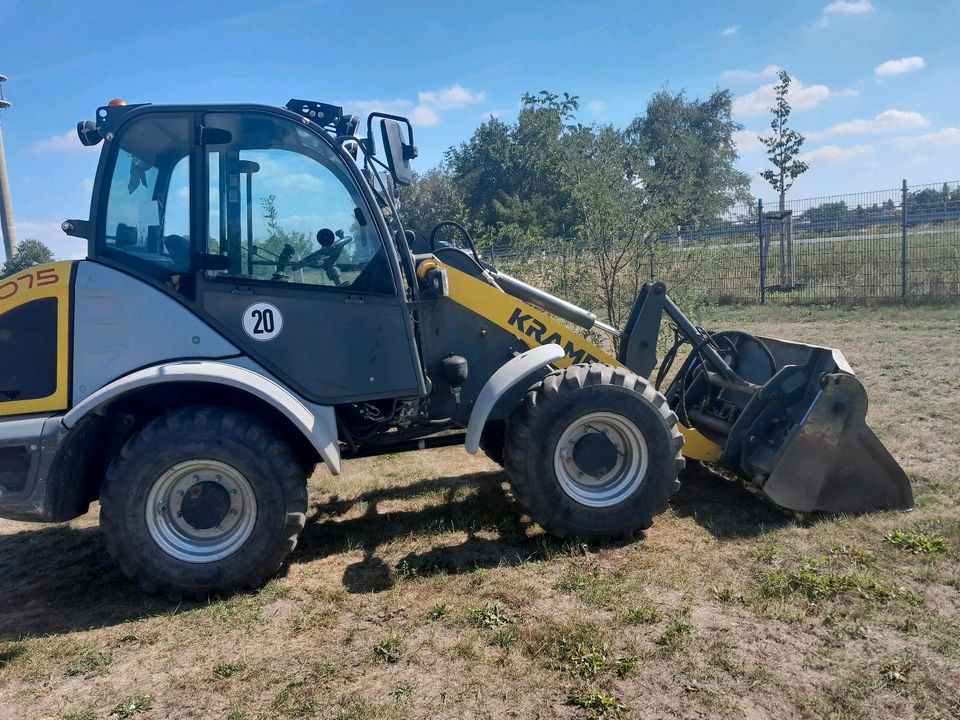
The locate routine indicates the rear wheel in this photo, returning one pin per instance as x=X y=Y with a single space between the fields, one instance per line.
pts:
x=593 y=452
x=203 y=500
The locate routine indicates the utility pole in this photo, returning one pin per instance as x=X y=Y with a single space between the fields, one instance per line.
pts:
x=6 y=206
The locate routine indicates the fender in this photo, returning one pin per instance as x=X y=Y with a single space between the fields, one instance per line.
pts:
x=500 y=382
x=317 y=422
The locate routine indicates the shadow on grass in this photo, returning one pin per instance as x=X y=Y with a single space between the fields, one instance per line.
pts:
x=60 y=579
x=726 y=508
x=475 y=504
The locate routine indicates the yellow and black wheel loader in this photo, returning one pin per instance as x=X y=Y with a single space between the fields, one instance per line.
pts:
x=251 y=305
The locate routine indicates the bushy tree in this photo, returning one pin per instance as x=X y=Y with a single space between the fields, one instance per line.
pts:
x=30 y=252
x=686 y=150
x=546 y=176
x=431 y=198
x=507 y=174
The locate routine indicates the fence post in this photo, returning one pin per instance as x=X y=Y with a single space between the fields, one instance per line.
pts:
x=763 y=255
x=903 y=241
x=563 y=251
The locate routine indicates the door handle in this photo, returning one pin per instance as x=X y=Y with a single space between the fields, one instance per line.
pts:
x=242 y=291
x=354 y=299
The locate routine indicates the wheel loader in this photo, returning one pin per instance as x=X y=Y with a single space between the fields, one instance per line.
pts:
x=251 y=305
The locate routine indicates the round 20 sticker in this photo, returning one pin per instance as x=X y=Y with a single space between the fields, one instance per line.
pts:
x=262 y=321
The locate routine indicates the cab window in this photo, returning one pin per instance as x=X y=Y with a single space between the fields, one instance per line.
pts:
x=147 y=223
x=284 y=208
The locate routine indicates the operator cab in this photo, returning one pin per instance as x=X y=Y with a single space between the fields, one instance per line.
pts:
x=260 y=220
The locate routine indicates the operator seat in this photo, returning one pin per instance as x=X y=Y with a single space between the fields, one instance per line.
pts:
x=178 y=248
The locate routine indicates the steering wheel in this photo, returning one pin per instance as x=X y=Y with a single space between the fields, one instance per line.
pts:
x=328 y=247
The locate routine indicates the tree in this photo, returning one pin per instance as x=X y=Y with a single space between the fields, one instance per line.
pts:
x=783 y=148
x=507 y=174
x=28 y=254
x=431 y=198
x=672 y=165
x=279 y=237
x=686 y=148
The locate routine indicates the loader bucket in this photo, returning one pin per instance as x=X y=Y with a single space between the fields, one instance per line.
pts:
x=834 y=462
x=800 y=435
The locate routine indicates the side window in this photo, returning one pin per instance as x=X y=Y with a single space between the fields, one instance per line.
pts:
x=284 y=208
x=148 y=207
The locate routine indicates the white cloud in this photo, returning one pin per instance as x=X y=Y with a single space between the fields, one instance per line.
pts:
x=837 y=154
x=732 y=30
x=451 y=98
x=425 y=116
x=946 y=136
x=899 y=66
x=596 y=106
x=887 y=121
x=770 y=71
x=801 y=97
x=87 y=184
x=747 y=140
x=428 y=108
x=68 y=142
x=848 y=7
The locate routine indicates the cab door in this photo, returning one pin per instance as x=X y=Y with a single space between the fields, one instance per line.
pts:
x=294 y=269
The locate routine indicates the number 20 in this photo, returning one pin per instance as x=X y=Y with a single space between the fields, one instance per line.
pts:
x=265 y=324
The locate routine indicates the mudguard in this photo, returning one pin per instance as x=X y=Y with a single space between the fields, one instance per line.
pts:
x=500 y=382
x=317 y=422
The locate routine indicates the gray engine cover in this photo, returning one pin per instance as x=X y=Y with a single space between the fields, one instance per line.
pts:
x=121 y=324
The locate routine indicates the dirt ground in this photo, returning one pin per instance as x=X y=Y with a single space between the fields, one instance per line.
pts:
x=419 y=590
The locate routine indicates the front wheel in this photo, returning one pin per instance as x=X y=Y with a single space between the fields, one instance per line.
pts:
x=593 y=452
x=203 y=500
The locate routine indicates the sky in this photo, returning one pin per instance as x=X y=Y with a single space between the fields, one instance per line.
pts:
x=876 y=91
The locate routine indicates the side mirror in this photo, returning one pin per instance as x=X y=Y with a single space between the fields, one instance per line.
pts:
x=399 y=153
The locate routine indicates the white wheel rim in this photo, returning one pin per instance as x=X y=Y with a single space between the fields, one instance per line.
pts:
x=175 y=497
x=618 y=482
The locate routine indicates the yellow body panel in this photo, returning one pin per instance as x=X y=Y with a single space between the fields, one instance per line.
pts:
x=43 y=281
x=534 y=327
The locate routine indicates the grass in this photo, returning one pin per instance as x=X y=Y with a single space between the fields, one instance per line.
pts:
x=388 y=650
x=599 y=706
x=677 y=633
x=228 y=668
x=918 y=542
x=132 y=706
x=420 y=589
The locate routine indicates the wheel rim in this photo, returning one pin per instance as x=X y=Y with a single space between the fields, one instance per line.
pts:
x=601 y=459
x=201 y=511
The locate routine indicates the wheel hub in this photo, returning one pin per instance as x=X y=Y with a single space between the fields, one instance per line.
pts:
x=201 y=511
x=205 y=505
x=601 y=459
x=595 y=454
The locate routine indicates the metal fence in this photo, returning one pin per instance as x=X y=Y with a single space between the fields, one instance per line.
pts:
x=901 y=244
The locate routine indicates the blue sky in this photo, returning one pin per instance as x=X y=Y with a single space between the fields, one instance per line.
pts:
x=877 y=91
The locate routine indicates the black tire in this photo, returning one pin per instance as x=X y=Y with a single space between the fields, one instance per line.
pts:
x=555 y=404
x=268 y=465
x=492 y=440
